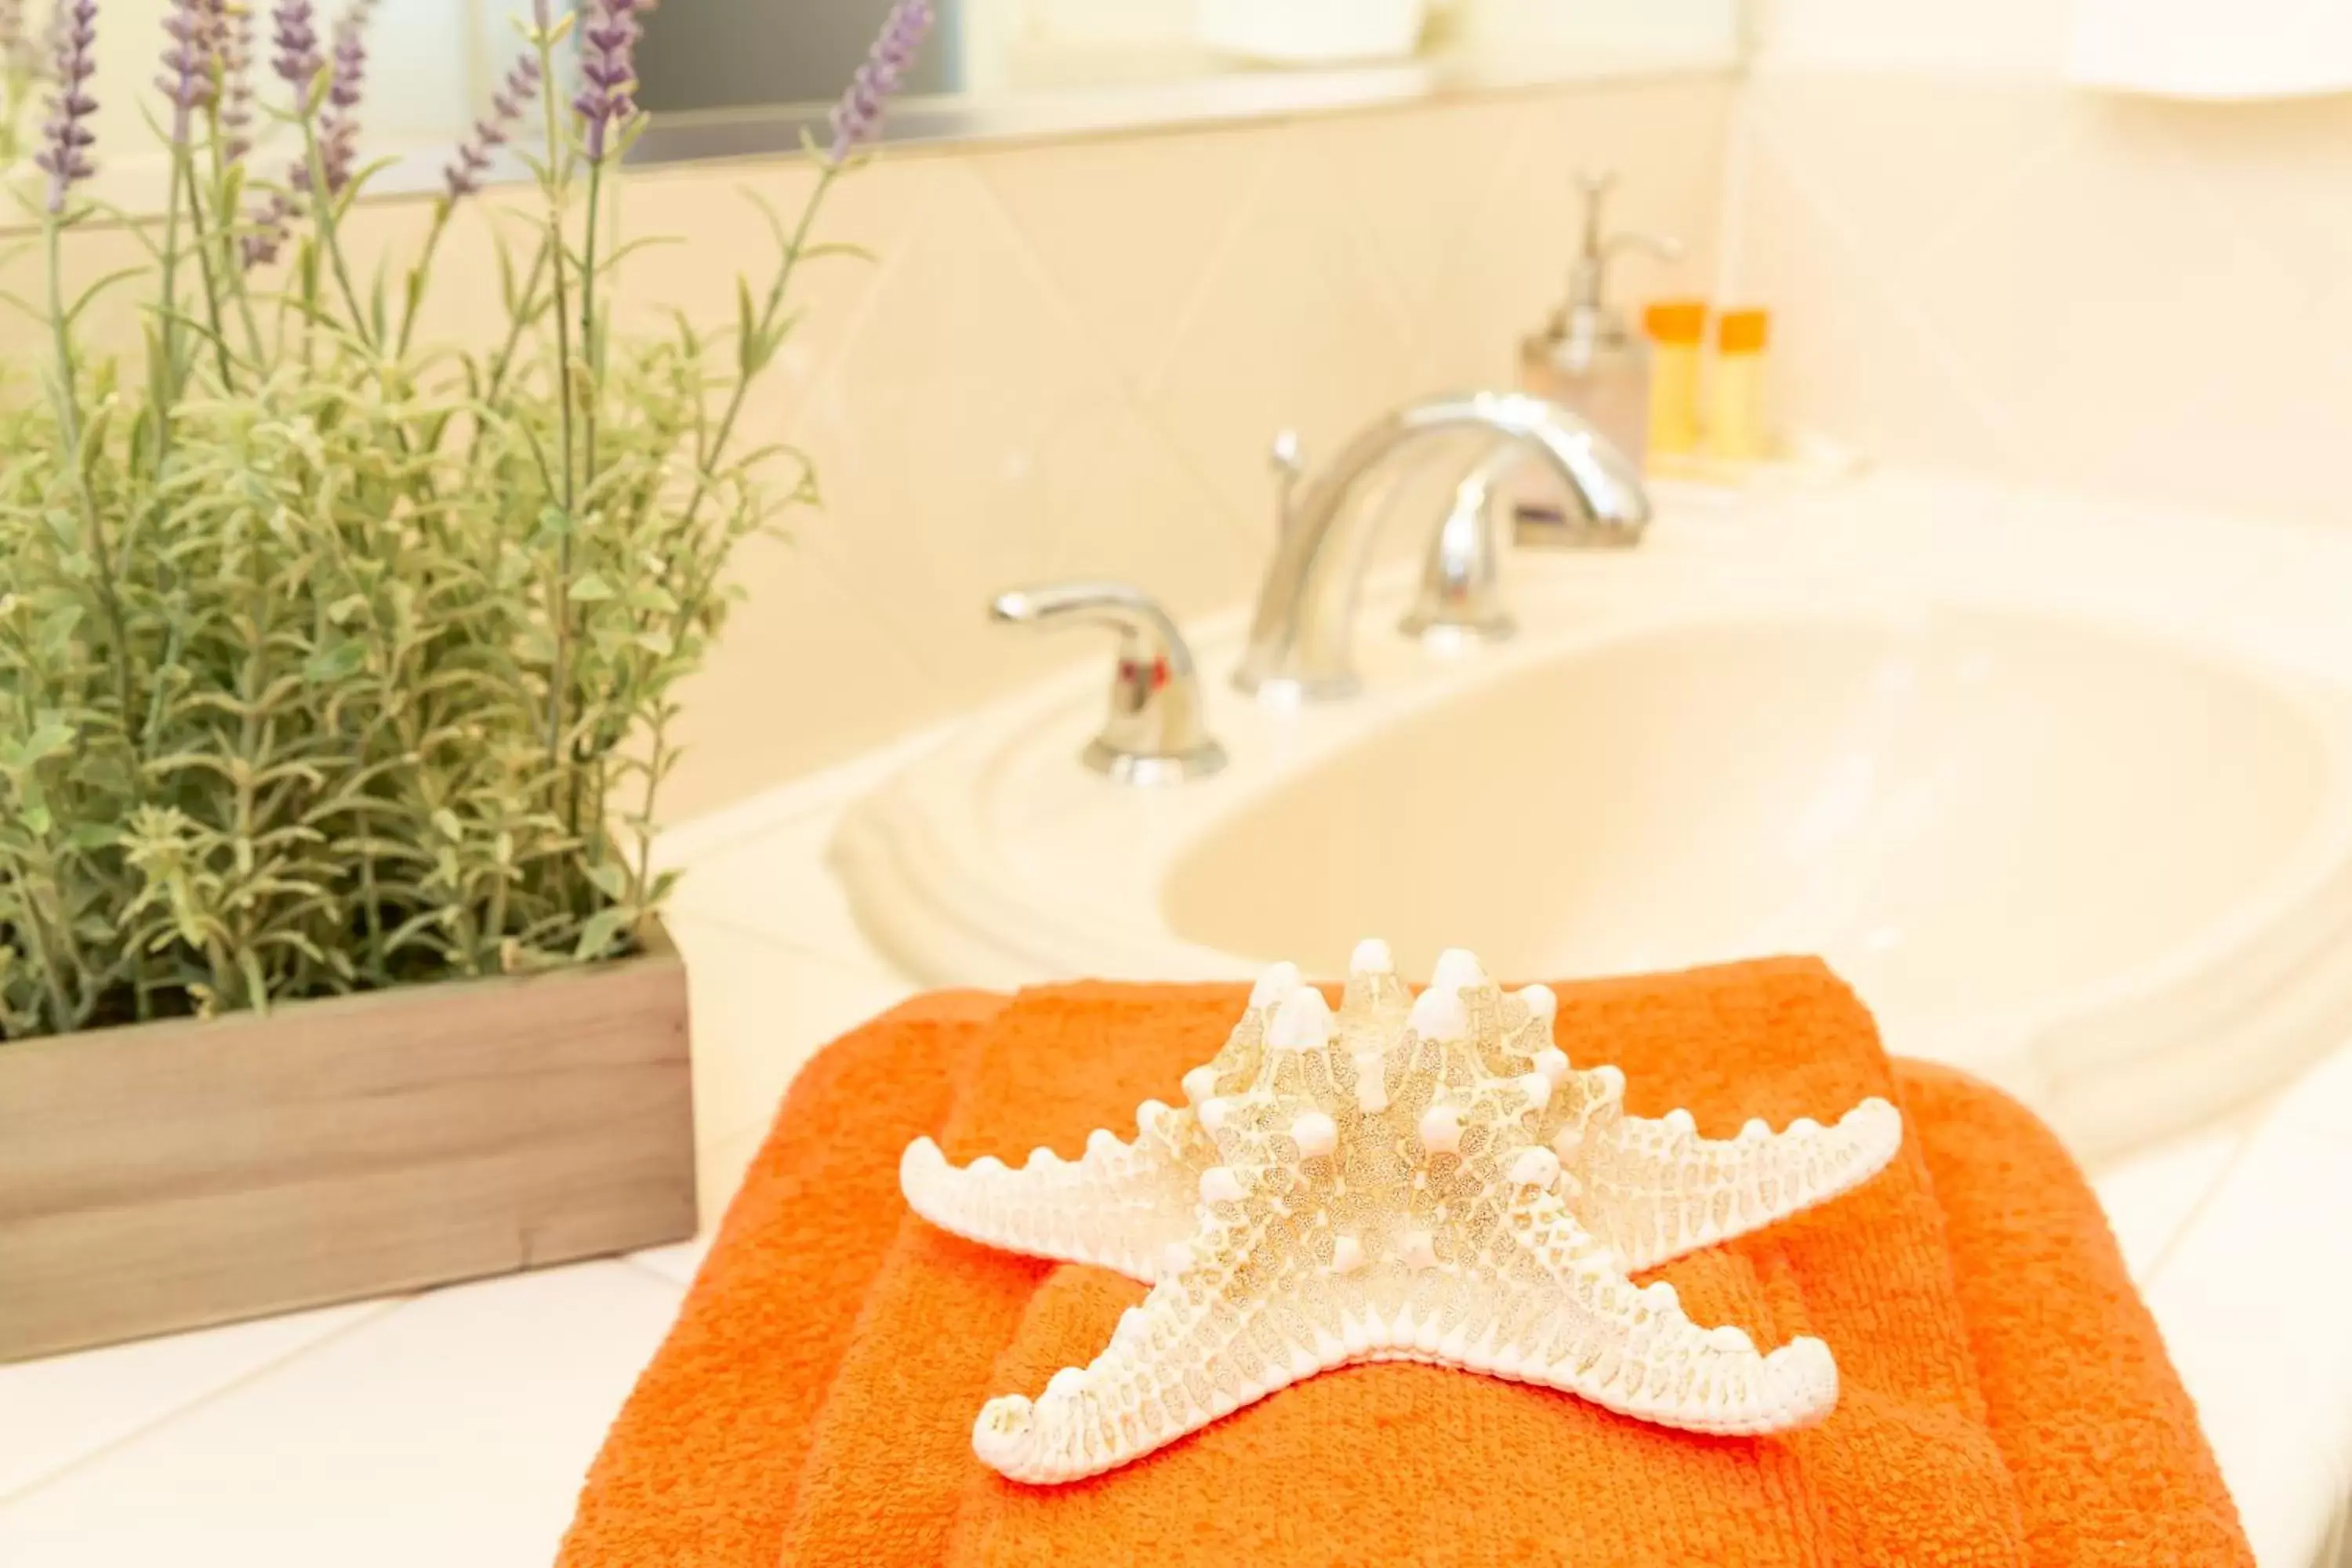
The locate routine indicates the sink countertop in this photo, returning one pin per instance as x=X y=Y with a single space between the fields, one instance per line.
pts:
x=454 y=1425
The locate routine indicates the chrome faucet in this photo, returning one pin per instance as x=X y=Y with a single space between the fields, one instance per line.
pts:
x=1300 y=638
x=1459 y=598
x=1155 y=734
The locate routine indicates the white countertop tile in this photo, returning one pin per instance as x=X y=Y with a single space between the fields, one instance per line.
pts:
x=2252 y=1301
x=2321 y=1101
x=59 y=1410
x=2150 y=1198
x=452 y=1430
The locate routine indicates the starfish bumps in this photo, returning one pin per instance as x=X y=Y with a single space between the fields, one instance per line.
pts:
x=1410 y=1178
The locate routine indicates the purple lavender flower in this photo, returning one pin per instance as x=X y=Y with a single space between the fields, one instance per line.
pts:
x=608 y=65
x=464 y=177
x=233 y=53
x=339 y=126
x=265 y=230
x=349 y=75
x=294 y=35
x=67 y=136
x=193 y=27
x=858 y=115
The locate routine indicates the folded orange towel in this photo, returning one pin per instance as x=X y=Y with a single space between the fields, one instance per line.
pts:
x=2004 y=1397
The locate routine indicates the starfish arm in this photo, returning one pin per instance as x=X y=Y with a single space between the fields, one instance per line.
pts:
x=1117 y=1206
x=1659 y=1190
x=1566 y=1315
x=1205 y=1341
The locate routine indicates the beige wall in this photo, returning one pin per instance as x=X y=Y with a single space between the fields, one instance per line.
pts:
x=1070 y=358
x=1977 y=265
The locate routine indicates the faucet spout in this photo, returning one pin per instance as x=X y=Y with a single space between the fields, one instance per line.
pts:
x=1300 y=638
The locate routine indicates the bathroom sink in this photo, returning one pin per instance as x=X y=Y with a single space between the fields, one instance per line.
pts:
x=2108 y=867
x=1961 y=812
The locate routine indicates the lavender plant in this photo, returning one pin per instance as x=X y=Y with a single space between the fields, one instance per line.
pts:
x=331 y=660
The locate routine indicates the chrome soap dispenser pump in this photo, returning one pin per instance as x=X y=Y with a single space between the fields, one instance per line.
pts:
x=1587 y=358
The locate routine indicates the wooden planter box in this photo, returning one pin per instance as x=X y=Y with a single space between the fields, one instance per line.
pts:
x=170 y=1176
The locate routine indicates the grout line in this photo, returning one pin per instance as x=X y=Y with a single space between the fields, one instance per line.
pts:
x=1492 y=213
x=792 y=802
x=875 y=968
x=1150 y=385
x=2197 y=1210
x=650 y=1272
x=1732 y=196
x=1134 y=385
x=375 y=1311
x=1928 y=342
x=1968 y=215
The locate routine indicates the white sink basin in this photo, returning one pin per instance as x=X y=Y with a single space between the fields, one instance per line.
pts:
x=1960 y=812
x=2107 y=867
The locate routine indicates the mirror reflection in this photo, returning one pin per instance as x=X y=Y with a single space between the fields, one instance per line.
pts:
x=732 y=78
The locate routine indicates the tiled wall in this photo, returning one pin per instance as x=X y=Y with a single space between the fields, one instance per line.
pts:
x=1071 y=359
x=1977 y=265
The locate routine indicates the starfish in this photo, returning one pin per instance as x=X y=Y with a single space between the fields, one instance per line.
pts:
x=1410 y=1178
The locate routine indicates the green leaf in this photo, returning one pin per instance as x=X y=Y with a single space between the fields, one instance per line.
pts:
x=335 y=661
x=447 y=821
x=589 y=588
x=49 y=738
x=600 y=934
x=58 y=629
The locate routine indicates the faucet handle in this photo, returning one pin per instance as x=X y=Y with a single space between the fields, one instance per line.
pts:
x=1287 y=457
x=1586 y=276
x=1155 y=734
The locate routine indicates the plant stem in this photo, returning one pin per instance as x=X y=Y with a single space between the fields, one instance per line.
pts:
x=211 y=285
x=324 y=204
x=233 y=264
x=590 y=343
x=557 y=184
x=61 y=1006
x=205 y=243
x=592 y=396
x=504 y=360
x=68 y=411
x=768 y=314
x=421 y=274
x=167 y=373
x=654 y=768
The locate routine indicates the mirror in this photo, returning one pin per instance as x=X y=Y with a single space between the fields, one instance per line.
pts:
x=741 y=78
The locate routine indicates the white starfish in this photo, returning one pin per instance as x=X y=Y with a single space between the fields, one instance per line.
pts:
x=1408 y=1179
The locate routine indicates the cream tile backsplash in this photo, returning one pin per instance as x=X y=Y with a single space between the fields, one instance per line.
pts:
x=1070 y=358
x=2009 y=275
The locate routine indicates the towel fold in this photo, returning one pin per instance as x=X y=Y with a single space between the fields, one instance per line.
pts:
x=2004 y=1400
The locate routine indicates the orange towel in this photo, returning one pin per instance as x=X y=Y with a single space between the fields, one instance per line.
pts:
x=2005 y=1399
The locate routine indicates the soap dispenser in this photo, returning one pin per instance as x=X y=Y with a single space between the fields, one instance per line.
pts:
x=1588 y=358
